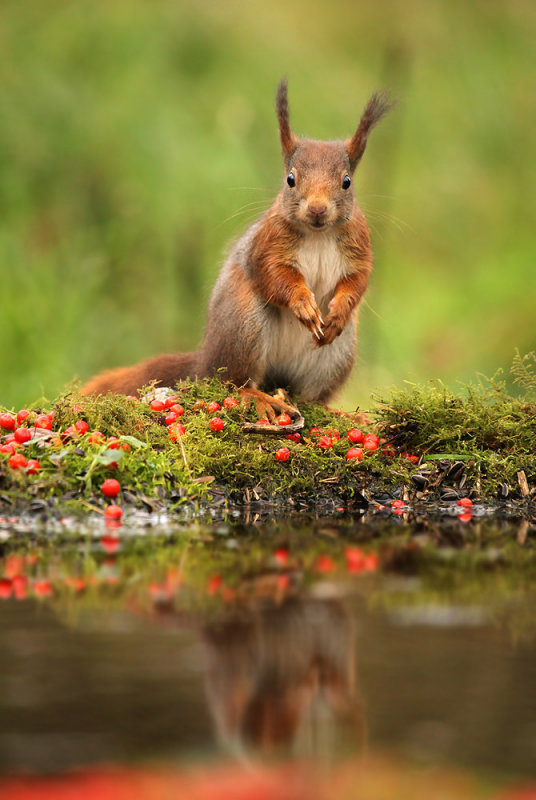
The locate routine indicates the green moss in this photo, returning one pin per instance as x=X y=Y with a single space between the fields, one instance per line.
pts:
x=490 y=431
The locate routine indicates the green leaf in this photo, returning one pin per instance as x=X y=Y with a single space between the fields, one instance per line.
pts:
x=449 y=456
x=133 y=441
x=58 y=456
x=109 y=456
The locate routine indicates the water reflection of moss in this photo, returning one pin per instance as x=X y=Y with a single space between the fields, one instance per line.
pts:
x=207 y=572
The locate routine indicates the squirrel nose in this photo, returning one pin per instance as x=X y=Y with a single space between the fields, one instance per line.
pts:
x=317 y=210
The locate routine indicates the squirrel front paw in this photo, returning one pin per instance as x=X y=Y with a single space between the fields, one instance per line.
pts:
x=333 y=327
x=303 y=306
x=335 y=322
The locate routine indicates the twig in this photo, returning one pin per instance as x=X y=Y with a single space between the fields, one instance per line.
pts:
x=92 y=508
x=523 y=531
x=278 y=430
x=183 y=453
x=523 y=485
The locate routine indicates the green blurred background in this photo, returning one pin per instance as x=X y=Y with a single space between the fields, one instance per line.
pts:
x=137 y=139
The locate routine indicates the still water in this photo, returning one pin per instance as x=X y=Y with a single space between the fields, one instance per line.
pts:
x=408 y=645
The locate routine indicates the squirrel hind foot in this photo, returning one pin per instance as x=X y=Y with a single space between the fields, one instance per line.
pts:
x=268 y=406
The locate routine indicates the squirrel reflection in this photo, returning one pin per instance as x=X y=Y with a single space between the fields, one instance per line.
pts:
x=280 y=675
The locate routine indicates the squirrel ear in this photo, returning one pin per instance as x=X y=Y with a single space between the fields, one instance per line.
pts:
x=378 y=105
x=288 y=139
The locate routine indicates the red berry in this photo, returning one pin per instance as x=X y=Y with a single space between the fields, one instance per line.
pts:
x=113 y=512
x=71 y=431
x=334 y=433
x=388 y=451
x=354 y=559
x=370 y=442
x=111 y=487
x=133 y=399
x=371 y=562
x=262 y=422
x=177 y=409
x=325 y=442
x=81 y=427
x=169 y=401
x=465 y=502
x=355 y=454
x=42 y=588
x=281 y=555
x=358 y=561
x=5 y=588
x=213 y=585
x=216 y=424
x=325 y=564
x=315 y=432
x=43 y=421
x=467 y=516
x=354 y=435
x=33 y=466
x=409 y=457
x=96 y=437
x=113 y=443
x=283 y=454
x=17 y=461
x=21 y=415
x=110 y=544
x=78 y=584
x=398 y=504
x=171 y=418
x=156 y=405
x=199 y=405
x=7 y=422
x=230 y=402
x=20 y=585
x=175 y=431
x=284 y=419
x=125 y=446
x=14 y=565
x=23 y=435
x=213 y=407
x=293 y=437
x=9 y=447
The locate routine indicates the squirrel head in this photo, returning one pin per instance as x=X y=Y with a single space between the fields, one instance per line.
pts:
x=317 y=191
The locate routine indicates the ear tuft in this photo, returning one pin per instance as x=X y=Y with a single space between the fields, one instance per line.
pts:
x=288 y=139
x=378 y=105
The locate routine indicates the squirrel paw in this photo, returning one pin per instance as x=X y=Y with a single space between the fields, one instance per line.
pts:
x=308 y=313
x=333 y=327
x=268 y=406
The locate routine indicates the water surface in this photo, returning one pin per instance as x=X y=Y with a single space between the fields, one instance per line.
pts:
x=326 y=641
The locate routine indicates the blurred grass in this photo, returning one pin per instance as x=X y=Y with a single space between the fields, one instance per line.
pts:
x=137 y=139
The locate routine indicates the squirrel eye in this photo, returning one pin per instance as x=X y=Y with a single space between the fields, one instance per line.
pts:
x=346 y=182
x=291 y=180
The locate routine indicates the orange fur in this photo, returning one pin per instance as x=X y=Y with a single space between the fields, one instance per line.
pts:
x=265 y=286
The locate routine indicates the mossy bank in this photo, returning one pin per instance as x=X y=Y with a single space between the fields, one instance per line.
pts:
x=435 y=445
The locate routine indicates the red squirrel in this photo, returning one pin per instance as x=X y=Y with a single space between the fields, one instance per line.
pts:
x=283 y=311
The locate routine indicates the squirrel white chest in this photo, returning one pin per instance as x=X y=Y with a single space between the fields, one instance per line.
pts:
x=291 y=359
x=322 y=264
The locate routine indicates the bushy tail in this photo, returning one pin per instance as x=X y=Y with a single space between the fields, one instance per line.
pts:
x=166 y=369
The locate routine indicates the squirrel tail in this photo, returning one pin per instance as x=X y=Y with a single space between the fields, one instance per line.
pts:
x=165 y=369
